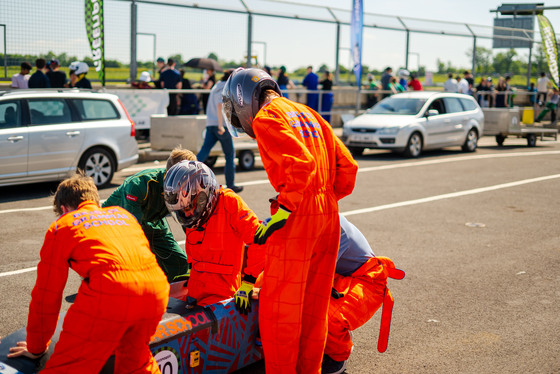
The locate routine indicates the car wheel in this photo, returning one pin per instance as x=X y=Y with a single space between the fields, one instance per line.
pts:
x=471 y=142
x=531 y=140
x=246 y=160
x=414 y=145
x=356 y=151
x=211 y=161
x=99 y=164
x=500 y=140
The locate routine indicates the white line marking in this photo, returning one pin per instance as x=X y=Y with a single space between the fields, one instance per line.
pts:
x=15 y=272
x=394 y=205
x=361 y=170
x=449 y=195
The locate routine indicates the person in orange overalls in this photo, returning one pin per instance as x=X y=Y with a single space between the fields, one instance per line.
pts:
x=359 y=290
x=122 y=297
x=217 y=224
x=311 y=170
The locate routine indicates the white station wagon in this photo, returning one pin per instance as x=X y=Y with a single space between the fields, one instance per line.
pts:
x=46 y=135
x=416 y=121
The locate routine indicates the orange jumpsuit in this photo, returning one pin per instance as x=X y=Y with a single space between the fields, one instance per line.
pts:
x=120 y=302
x=362 y=293
x=216 y=252
x=311 y=170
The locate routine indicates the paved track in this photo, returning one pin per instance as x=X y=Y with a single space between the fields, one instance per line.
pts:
x=477 y=234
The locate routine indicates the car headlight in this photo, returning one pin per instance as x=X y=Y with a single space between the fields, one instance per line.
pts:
x=388 y=130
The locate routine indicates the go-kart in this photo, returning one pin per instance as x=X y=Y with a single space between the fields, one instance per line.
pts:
x=189 y=339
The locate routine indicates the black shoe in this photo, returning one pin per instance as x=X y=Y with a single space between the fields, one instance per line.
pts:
x=236 y=189
x=331 y=366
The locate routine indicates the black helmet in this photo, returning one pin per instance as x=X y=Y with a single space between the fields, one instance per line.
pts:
x=241 y=98
x=190 y=190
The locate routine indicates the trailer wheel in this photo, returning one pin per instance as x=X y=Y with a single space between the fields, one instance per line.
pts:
x=246 y=160
x=356 y=151
x=500 y=140
x=531 y=140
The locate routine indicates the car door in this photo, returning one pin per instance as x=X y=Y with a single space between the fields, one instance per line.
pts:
x=55 y=140
x=457 y=121
x=14 y=141
x=435 y=125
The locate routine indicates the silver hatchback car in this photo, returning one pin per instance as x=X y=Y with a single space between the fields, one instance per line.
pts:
x=46 y=135
x=415 y=121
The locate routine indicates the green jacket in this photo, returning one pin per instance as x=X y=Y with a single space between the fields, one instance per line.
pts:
x=142 y=195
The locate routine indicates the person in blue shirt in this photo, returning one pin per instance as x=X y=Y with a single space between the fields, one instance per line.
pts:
x=311 y=82
x=171 y=79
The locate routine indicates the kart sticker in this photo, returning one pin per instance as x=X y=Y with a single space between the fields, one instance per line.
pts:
x=168 y=360
x=5 y=369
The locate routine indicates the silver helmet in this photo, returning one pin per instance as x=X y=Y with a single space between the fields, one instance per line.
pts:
x=241 y=98
x=190 y=191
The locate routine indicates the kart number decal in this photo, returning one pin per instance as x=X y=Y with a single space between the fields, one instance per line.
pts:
x=168 y=360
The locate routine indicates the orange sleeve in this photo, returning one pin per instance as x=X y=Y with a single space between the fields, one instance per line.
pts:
x=346 y=170
x=46 y=297
x=245 y=223
x=288 y=163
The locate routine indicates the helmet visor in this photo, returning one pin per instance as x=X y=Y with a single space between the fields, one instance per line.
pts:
x=230 y=118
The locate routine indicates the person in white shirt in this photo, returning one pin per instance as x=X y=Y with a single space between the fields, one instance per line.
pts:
x=20 y=79
x=543 y=85
x=450 y=84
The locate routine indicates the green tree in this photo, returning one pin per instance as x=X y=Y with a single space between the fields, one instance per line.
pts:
x=440 y=66
x=483 y=63
x=504 y=61
x=213 y=56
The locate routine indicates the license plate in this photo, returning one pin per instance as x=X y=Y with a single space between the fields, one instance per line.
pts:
x=362 y=138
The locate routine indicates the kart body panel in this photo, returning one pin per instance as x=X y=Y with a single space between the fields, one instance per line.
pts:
x=188 y=340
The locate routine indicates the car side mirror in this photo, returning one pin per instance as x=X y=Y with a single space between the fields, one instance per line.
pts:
x=432 y=112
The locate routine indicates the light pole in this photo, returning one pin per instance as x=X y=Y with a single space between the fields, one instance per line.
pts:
x=154 y=60
x=263 y=43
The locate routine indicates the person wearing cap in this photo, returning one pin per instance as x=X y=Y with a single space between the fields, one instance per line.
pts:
x=284 y=81
x=56 y=76
x=143 y=81
x=21 y=79
x=161 y=66
x=39 y=79
x=311 y=170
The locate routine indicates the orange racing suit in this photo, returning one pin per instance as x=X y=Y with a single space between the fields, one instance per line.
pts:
x=359 y=296
x=311 y=170
x=120 y=302
x=216 y=250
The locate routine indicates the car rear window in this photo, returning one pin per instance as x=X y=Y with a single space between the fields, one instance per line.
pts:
x=95 y=109
x=468 y=104
x=49 y=111
x=10 y=114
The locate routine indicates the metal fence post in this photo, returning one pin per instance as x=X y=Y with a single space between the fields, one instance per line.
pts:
x=5 y=54
x=133 y=32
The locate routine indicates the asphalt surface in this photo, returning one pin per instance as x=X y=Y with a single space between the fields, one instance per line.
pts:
x=477 y=234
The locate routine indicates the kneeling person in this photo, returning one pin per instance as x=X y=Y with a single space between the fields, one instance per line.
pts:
x=122 y=297
x=217 y=223
x=359 y=290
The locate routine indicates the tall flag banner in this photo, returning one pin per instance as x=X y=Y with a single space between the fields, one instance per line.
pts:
x=96 y=36
x=356 y=28
x=549 y=45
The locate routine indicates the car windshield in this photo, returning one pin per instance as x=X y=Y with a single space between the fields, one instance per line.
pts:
x=400 y=106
